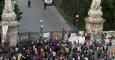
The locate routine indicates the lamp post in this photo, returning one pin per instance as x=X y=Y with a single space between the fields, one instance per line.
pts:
x=77 y=20
x=63 y=33
x=41 y=28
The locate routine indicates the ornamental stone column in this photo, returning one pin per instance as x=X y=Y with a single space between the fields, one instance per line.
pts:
x=8 y=19
x=95 y=21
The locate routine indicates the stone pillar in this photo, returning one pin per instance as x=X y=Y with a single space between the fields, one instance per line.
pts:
x=12 y=31
x=95 y=21
x=8 y=19
x=13 y=34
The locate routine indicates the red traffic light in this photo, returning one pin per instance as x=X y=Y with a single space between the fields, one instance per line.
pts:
x=77 y=17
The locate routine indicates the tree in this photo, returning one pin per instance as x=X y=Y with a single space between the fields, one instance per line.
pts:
x=108 y=8
x=69 y=8
x=18 y=12
x=1 y=7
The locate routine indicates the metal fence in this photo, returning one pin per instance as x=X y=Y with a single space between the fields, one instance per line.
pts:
x=28 y=36
x=36 y=35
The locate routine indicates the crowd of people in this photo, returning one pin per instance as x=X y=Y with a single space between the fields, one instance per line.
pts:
x=55 y=50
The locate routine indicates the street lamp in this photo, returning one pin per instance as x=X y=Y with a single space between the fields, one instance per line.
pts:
x=41 y=28
x=77 y=20
x=41 y=21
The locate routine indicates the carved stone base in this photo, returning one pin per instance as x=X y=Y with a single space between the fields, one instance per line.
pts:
x=12 y=32
x=94 y=24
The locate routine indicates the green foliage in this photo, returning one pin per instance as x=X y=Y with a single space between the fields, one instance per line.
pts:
x=69 y=8
x=18 y=12
x=109 y=14
x=1 y=7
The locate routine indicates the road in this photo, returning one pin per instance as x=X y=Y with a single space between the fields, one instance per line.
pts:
x=30 y=21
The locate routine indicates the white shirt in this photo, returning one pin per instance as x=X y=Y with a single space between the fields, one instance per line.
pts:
x=54 y=53
x=86 y=58
x=16 y=49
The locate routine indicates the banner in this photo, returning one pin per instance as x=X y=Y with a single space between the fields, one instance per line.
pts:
x=57 y=35
x=78 y=39
x=46 y=35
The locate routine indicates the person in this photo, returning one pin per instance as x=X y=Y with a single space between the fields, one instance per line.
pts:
x=35 y=57
x=44 y=5
x=29 y=3
x=1 y=57
x=54 y=55
x=19 y=56
x=13 y=57
x=110 y=41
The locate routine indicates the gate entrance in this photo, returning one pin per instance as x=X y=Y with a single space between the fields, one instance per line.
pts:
x=35 y=36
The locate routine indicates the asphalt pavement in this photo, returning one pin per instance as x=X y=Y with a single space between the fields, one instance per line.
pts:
x=30 y=22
